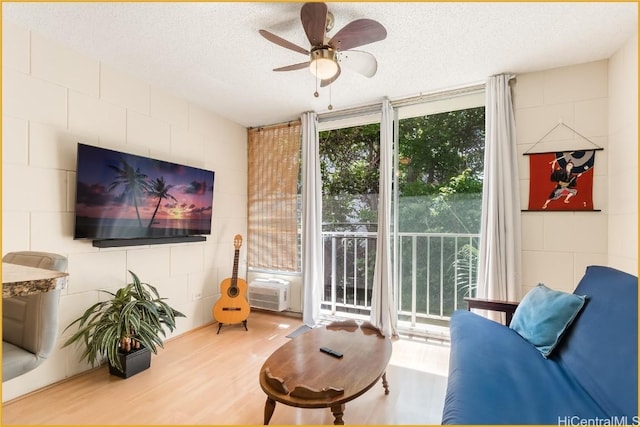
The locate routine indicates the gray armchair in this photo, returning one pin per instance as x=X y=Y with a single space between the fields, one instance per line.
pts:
x=30 y=323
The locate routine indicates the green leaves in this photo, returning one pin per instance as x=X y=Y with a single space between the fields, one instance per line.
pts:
x=135 y=312
x=439 y=170
x=350 y=167
x=436 y=147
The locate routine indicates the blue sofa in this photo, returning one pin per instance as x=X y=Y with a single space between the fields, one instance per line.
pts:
x=497 y=377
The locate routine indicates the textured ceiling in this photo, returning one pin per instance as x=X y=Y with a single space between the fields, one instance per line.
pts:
x=212 y=54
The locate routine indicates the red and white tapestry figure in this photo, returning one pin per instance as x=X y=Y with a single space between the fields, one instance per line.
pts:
x=561 y=181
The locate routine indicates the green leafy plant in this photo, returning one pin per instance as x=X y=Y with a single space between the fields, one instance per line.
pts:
x=467 y=264
x=134 y=316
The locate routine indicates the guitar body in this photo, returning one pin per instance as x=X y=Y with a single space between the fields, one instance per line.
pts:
x=233 y=306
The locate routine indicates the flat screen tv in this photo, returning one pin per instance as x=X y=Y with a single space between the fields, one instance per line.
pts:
x=124 y=196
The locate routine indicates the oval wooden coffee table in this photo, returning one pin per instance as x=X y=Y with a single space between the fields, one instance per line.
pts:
x=298 y=374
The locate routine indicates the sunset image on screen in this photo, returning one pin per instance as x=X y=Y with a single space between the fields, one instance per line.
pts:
x=122 y=195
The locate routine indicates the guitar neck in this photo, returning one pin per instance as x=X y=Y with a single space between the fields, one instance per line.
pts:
x=234 y=276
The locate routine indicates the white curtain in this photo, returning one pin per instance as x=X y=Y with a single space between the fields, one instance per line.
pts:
x=311 y=220
x=383 y=311
x=499 y=266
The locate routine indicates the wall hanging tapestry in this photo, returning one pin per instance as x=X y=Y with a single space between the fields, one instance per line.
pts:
x=561 y=181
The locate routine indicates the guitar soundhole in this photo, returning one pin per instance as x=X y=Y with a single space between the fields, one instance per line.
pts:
x=233 y=292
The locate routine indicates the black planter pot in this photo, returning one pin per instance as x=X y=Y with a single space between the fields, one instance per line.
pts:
x=132 y=363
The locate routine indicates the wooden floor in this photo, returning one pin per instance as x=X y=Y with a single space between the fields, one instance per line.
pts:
x=204 y=378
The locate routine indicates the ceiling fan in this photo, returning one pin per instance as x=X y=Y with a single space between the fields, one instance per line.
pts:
x=326 y=55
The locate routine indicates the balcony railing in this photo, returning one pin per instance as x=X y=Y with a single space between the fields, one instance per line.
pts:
x=435 y=271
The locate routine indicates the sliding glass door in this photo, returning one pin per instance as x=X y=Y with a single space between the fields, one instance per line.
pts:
x=437 y=192
x=349 y=162
x=438 y=200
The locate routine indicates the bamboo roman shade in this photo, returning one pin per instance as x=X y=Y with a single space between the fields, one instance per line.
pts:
x=274 y=167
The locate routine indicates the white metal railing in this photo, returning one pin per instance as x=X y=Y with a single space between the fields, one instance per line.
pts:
x=433 y=272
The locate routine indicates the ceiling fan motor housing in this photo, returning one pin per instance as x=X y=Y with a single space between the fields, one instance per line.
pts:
x=323 y=52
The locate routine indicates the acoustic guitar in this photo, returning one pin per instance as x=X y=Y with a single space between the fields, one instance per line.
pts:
x=232 y=307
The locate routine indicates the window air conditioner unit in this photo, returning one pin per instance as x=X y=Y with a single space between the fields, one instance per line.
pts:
x=269 y=294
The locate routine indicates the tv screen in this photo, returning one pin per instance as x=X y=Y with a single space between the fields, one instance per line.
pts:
x=124 y=196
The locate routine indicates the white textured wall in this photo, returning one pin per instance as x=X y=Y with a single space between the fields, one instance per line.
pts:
x=54 y=98
x=600 y=101
x=623 y=158
x=558 y=246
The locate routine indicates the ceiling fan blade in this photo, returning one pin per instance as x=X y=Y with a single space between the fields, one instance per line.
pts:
x=293 y=67
x=314 y=22
x=358 y=33
x=327 y=82
x=282 y=42
x=361 y=62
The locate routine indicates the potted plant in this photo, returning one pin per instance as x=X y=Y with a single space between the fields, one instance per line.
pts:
x=125 y=328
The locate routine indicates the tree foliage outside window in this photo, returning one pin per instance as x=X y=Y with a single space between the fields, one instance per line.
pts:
x=350 y=168
x=439 y=188
x=440 y=156
x=440 y=169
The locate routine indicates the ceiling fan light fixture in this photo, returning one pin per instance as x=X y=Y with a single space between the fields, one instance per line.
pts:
x=323 y=63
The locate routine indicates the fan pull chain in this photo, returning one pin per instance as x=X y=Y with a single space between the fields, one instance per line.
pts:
x=330 y=107
x=316 y=94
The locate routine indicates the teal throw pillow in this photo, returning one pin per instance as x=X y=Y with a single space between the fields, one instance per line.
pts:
x=544 y=315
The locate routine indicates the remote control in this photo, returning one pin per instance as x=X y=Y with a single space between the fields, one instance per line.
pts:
x=331 y=352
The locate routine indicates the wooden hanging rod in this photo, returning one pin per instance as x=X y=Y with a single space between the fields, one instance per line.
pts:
x=276 y=126
x=562 y=151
